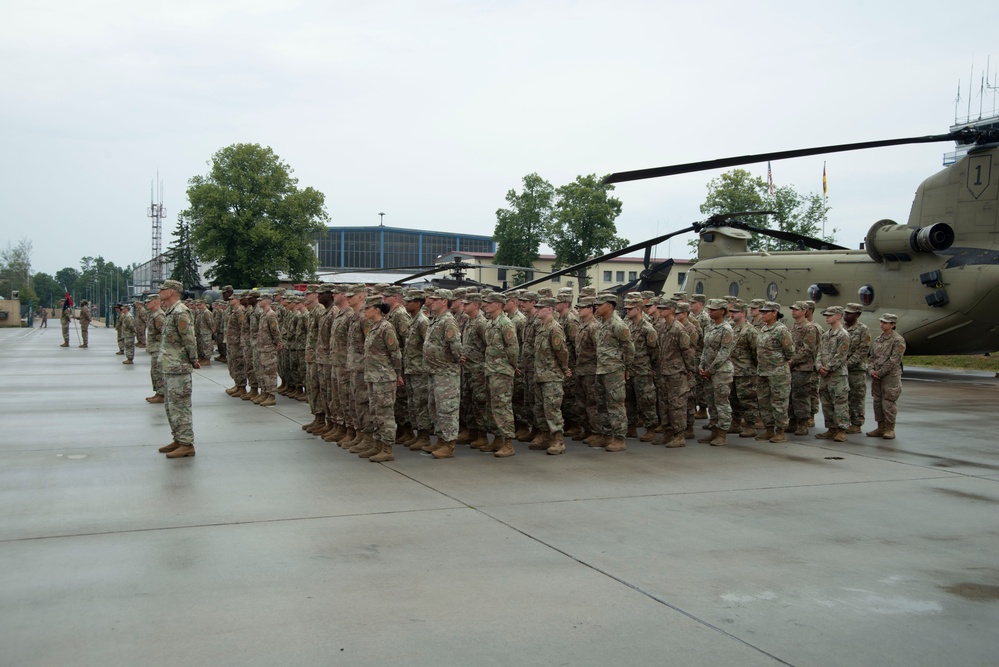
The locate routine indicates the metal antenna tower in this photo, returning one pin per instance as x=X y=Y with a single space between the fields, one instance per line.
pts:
x=157 y=212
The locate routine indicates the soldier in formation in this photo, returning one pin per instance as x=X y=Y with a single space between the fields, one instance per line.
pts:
x=154 y=338
x=127 y=322
x=85 y=320
x=887 y=351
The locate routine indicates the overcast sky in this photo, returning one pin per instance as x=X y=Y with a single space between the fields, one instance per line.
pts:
x=430 y=111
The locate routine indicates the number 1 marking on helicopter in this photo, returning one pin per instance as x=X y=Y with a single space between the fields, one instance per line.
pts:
x=979 y=175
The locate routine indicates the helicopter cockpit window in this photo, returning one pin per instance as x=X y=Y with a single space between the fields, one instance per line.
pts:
x=699 y=287
x=866 y=294
x=815 y=293
x=733 y=289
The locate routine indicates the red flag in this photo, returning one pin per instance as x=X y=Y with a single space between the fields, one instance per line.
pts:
x=69 y=299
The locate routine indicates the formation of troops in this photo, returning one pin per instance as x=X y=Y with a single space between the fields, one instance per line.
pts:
x=383 y=366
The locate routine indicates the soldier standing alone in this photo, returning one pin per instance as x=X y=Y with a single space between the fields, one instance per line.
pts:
x=834 y=388
x=886 y=376
x=178 y=355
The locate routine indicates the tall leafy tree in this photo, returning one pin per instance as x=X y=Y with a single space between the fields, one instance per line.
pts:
x=15 y=270
x=521 y=228
x=67 y=277
x=181 y=253
x=738 y=190
x=248 y=216
x=583 y=222
x=48 y=290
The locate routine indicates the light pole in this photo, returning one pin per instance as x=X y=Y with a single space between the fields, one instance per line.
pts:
x=381 y=219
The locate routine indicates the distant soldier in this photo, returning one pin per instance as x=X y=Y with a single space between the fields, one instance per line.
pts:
x=640 y=394
x=179 y=354
x=234 y=346
x=222 y=323
x=127 y=334
x=417 y=379
x=85 y=320
x=45 y=319
x=154 y=339
x=64 y=320
x=204 y=329
x=834 y=385
x=806 y=349
x=501 y=356
x=117 y=328
x=442 y=351
x=383 y=373
x=551 y=367
x=856 y=364
x=615 y=354
x=774 y=351
x=141 y=318
x=716 y=369
x=676 y=365
x=269 y=343
x=887 y=351
x=745 y=377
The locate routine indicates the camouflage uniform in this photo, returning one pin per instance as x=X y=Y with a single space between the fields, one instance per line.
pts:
x=339 y=344
x=204 y=330
x=745 y=378
x=694 y=333
x=220 y=311
x=117 y=329
x=856 y=366
x=247 y=345
x=312 y=392
x=442 y=352
x=400 y=319
x=702 y=322
x=676 y=364
x=774 y=349
x=268 y=340
x=66 y=317
x=531 y=391
x=834 y=349
x=569 y=321
x=128 y=334
x=85 y=320
x=234 y=346
x=417 y=378
x=254 y=353
x=887 y=351
x=382 y=368
x=500 y=361
x=324 y=363
x=141 y=321
x=551 y=361
x=473 y=376
x=803 y=374
x=591 y=419
x=715 y=359
x=154 y=339
x=519 y=321
x=640 y=394
x=179 y=353
x=615 y=353
x=358 y=406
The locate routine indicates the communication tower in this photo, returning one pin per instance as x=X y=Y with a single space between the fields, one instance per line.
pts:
x=157 y=212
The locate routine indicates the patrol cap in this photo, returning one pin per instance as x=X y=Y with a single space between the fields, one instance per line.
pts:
x=799 y=305
x=586 y=302
x=442 y=294
x=227 y=288
x=890 y=318
x=717 y=304
x=357 y=288
x=280 y=291
x=587 y=291
x=151 y=297
x=393 y=290
x=472 y=297
x=545 y=292
x=234 y=296
x=564 y=297
x=731 y=299
x=414 y=295
x=172 y=284
x=648 y=294
x=311 y=289
x=459 y=292
x=494 y=297
x=547 y=302
x=605 y=297
x=757 y=303
x=833 y=310
x=737 y=307
x=529 y=296
x=699 y=298
x=683 y=307
x=853 y=308
x=634 y=302
x=373 y=301
x=326 y=288
x=340 y=288
x=514 y=294
x=770 y=305
x=666 y=304
x=679 y=296
x=810 y=304
x=266 y=296
x=253 y=294
x=379 y=288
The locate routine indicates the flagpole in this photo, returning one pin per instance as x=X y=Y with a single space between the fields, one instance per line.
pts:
x=825 y=198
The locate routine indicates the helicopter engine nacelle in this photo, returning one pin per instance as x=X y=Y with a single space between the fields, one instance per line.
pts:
x=888 y=241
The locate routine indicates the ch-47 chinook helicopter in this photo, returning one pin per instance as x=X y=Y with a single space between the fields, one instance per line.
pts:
x=939 y=272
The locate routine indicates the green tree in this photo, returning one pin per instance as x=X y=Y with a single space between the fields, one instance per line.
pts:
x=15 y=271
x=48 y=290
x=67 y=278
x=181 y=253
x=521 y=228
x=583 y=223
x=248 y=216
x=738 y=190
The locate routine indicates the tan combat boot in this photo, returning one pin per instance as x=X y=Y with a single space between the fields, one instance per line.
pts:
x=233 y=389
x=811 y=422
x=709 y=437
x=840 y=435
x=649 y=435
x=384 y=455
x=582 y=435
x=325 y=428
x=422 y=441
x=250 y=393
x=801 y=429
x=431 y=446
x=878 y=432
x=165 y=449
x=701 y=414
x=748 y=431
x=349 y=439
x=491 y=447
x=181 y=452
x=632 y=431
x=531 y=436
x=599 y=440
x=408 y=438
x=853 y=428
x=720 y=439
x=677 y=441
x=779 y=436
x=767 y=434
x=889 y=433
x=268 y=401
x=616 y=445
x=572 y=431
x=241 y=393
x=829 y=434
x=363 y=442
x=480 y=440
x=129 y=362
x=464 y=437
x=689 y=432
x=542 y=441
x=444 y=450
x=316 y=421
x=158 y=398
x=735 y=428
x=331 y=435
x=369 y=446
x=556 y=445
x=505 y=449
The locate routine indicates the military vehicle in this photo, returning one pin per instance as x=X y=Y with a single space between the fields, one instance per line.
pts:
x=939 y=272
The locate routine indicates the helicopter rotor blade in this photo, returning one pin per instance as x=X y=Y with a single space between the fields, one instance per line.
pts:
x=793 y=237
x=724 y=163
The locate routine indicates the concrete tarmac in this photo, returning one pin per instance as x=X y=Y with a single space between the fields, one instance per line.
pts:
x=271 y=547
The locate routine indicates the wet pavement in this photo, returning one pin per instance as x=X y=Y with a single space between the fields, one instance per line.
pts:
x=272 y=547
